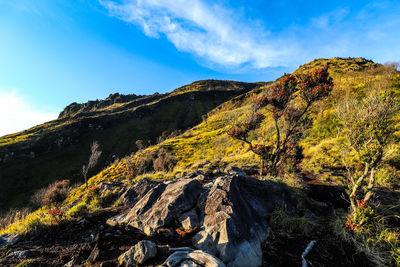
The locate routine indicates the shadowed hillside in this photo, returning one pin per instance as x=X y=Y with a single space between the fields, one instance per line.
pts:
x=57 y=150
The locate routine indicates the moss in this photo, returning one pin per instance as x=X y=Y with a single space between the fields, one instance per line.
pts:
x=77 y=210
x=27 y=263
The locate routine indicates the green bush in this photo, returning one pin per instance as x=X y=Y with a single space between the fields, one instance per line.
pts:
x=78 y=209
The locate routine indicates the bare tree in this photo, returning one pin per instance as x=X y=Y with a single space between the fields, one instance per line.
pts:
x=393 y=64
x=94 y=157
x=140 y=144
x=369 y=126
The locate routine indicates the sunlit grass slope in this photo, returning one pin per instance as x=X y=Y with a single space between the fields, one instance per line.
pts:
x=208 y=144
x=56 y=150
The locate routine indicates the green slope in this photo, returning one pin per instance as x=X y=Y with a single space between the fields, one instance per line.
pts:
x=207 y=145
x=57 y=150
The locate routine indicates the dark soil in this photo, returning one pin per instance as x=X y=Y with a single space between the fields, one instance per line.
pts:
x=87 y=241
x=283 y=249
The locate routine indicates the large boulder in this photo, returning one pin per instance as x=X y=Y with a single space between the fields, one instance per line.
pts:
x=231 y=215
x=160 y=206
x=234 y=221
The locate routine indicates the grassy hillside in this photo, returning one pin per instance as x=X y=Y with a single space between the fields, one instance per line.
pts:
x=208 y=144
x=56 y=150
x=208 y=147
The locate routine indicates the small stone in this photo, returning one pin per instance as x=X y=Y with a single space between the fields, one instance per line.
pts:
x=20 y=254
x=69 y=264
x=83 y=222
x=235 y=171
x=189 y=263
x=9 y=239
x=192 y=258
x=139 y=253
x=94 y=255
x=107 y=264
x=189 y=220
x=200 y=178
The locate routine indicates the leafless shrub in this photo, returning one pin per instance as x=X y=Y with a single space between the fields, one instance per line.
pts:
x=53 y=194
x=164 y=162
x=369 y=126
x=140 y=144
x=393 y=64
x=12 y=216
x=143 y=162
x=94 y=157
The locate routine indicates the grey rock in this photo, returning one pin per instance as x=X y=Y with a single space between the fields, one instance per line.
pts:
x=160 y=206
x=69 y=264
x=94 y=255
x=234 y=222
x=192 y=258
x=9 y=239
x=200 y=177
x=192 y=174
x=235 y=171
x=231 y=214
x=189 y=263
x=137 y=191
x=189 y=220
x=138 y=254
x=107 y=187
x=20 y=254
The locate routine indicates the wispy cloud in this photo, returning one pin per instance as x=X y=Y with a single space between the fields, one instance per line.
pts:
x=209 y=31
x=220 y=36
x=17 y=114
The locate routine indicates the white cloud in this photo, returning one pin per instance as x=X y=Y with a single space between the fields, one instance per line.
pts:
x=208 y=31
x=221 y=37
x=17 y=114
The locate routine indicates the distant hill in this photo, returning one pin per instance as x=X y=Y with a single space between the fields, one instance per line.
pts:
x=55 y=150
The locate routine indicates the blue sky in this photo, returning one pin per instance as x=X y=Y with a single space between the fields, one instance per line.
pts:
x=55 y=52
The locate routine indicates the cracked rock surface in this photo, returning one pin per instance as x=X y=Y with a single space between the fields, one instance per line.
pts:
x=229 y=216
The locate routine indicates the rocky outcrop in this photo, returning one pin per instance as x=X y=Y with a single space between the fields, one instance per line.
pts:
x=234 y=218
x=160 y=206
x=229 y=215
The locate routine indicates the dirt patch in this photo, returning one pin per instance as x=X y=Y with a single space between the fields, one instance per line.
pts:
x=282 y=249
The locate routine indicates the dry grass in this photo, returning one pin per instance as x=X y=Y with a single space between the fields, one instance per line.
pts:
x=12 y=216
x=53 y=194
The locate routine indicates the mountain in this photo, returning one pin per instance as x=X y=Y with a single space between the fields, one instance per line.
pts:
x=198 y=198
x=56 y=150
